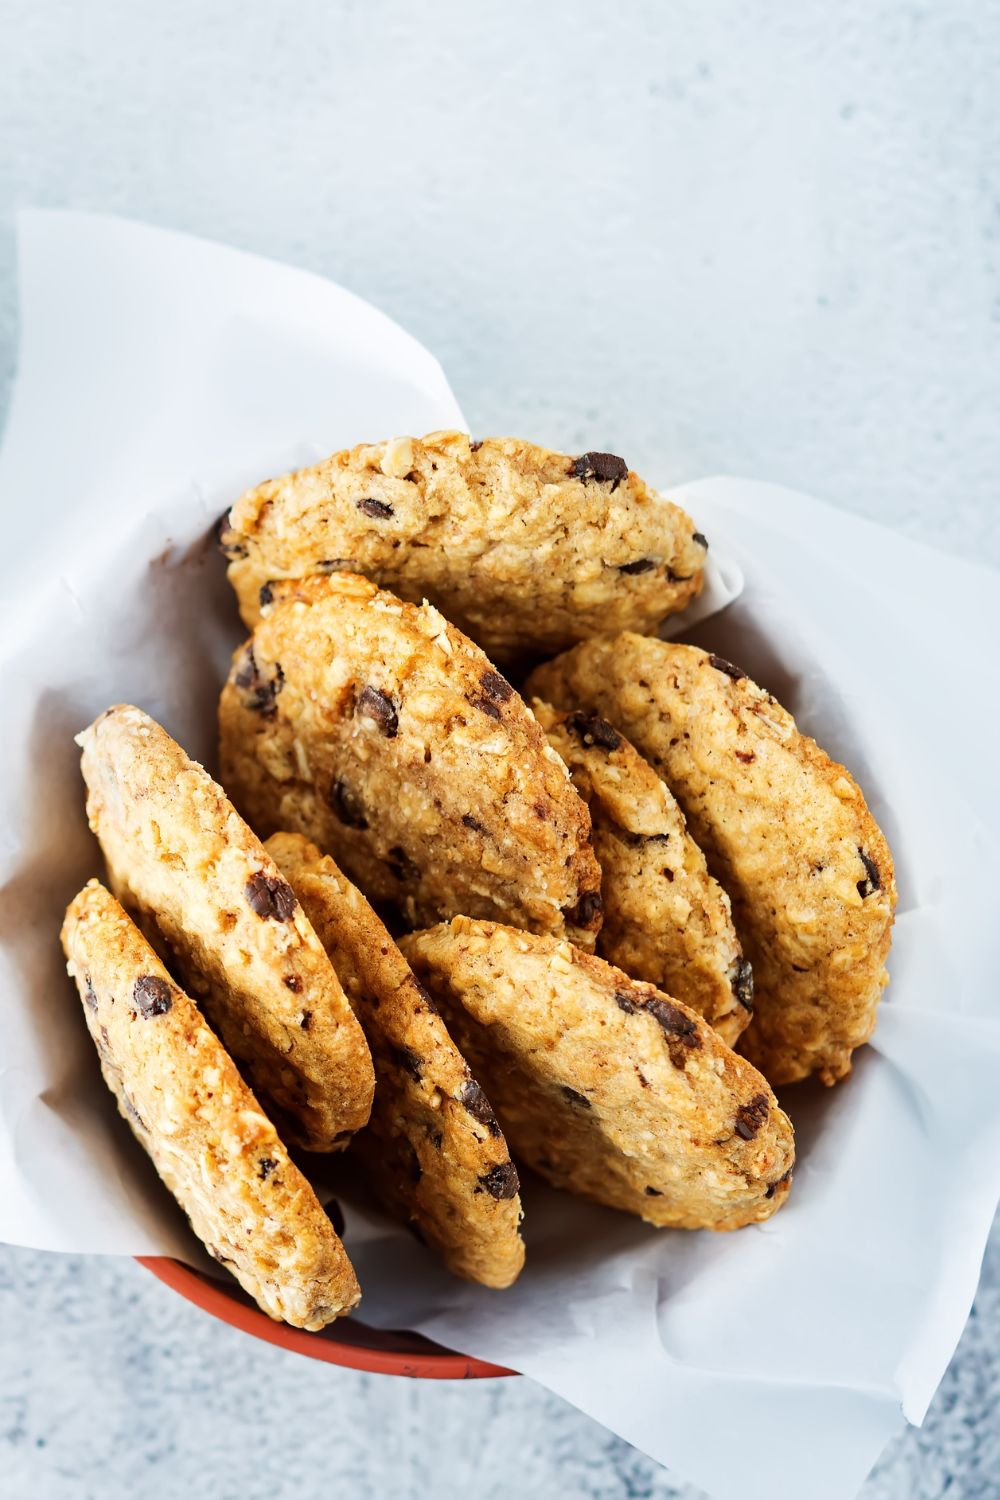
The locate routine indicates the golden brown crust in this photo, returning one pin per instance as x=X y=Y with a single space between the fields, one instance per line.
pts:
x=209 y=1139
x=785 y=829
x=665 y=919
x=433 y=1150
x=385 y=736
x=603 y=1084
x=182 y=860
x=524 y=549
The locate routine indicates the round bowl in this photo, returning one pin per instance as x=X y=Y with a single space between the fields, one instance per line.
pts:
x=346 y=1342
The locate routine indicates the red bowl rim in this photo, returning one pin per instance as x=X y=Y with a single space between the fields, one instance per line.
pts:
x=435 y=1364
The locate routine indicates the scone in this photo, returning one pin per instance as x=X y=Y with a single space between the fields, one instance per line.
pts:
x=603 y=1084
x=208 y=1137
x=524 y=549
x=433 y=1151
x=182 y=860
x=785 y=829
x=665 y=919
x=385 y=736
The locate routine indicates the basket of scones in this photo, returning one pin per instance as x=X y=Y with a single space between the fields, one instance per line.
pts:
x=494 y=880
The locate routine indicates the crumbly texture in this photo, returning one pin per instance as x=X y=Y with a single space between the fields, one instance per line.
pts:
x=665 y=919
x=785 y=829
x=524 y=549
x=603 y=1084
x=383 y=734
x=183 y=861
x=210 y=1141
x=433 y=1150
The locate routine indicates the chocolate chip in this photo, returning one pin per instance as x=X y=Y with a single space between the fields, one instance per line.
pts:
x=401 y=866
x=587 y=911
x=378 y=706
x=673 y=1021
x=306 y=1020
x=780 y=1183
x=750 y=1117
x=265 y=1167
x=495 y=686
x=721 y=665
x=501 y=1181
x=486 y=706
x=572 y=1097
x=335 y=1214
x=641 y=565
x=592 y=729
x=423 y=997
x=625 y=1002
x=379 y=510
x=268 y=896
x=228 y=541
x=743 y=983
x=338 y=565
x=873 y=880
x=293 y=982
x=475 y=445
x=700 y=538
x=680 y=1031
x=266 y=595
x=604 y=467
x=746 y=756
x=409 y=1061
x=473 y=823
x=89 y=993
x=346 y=805
x=152 y=996
x=258 y=687
x=652 y=1192
x=472 y=1098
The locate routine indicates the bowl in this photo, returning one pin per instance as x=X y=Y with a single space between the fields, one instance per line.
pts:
x=346 y=1342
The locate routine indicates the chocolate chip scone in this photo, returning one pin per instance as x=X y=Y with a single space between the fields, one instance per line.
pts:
x=383 y=734
x=433 y=1151
x=524 y=549
x=785 y=829
x=665 y=919
x=181 y=859
x=603 y=1084
x=209 y=1139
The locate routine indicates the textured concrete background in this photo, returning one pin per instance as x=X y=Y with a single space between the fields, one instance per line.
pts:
x=759 y=238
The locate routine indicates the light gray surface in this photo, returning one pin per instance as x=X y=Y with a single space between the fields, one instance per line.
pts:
x=754 y=238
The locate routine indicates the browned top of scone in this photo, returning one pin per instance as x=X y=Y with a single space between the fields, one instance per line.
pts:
x=605 y=1085
x=180 y=857
x=208 y=1137
x=525 y=548
x=433 y=1150
x=785 y=828
x=387 y=737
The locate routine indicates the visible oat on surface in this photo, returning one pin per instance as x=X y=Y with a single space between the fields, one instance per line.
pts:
x=526 y=550
x=182 y=860
x=208 y=1138
x=786 y=830
x=605 y=1085
x=433 y=1150
x=665 y=919
x=392 y=742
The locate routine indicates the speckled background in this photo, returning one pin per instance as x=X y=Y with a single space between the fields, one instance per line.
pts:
x=755 y=238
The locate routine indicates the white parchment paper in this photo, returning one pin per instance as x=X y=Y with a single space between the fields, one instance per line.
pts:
x=158 y=376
